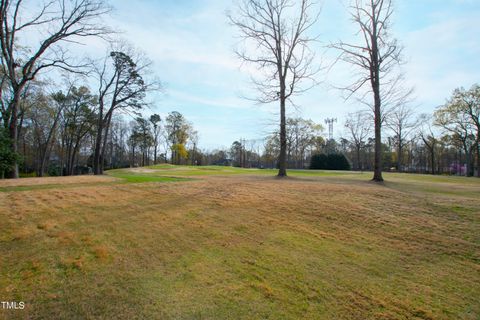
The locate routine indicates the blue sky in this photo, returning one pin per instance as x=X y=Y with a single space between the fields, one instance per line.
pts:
x=191 y=45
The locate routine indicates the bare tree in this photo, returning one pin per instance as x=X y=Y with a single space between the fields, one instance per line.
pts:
x=277 y=33
x=301 y=135
x=59 y=22
x=375 y=58
x=78 y=119
x=429 y=138
x=155 y=122
x=52 y=108
x=357 y=125
x=402 y=123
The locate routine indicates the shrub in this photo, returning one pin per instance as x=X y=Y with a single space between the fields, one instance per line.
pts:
x=54 y=170
x=318 y=161
x=329 y=162
x=7 y=157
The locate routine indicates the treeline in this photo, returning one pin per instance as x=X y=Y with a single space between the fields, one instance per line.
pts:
x=57 y=135
x=77 y=128
x=81 y=128
x=445 y=142
x=77 y=123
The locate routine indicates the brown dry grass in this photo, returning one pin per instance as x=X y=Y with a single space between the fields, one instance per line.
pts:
x=54 y=181
x=242 y=248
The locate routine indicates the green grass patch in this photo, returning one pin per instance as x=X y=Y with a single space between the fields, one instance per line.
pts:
x=227 y=170
x=132 y=177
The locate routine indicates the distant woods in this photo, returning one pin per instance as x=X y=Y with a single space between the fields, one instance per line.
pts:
x=57 y=23
x=97 y=113
x=446 y=142
x=78 y=124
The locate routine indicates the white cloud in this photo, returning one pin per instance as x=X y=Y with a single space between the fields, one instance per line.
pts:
x=191 y=45
x=442 y=57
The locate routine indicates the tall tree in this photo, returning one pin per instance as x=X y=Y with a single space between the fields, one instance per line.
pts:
x=78 y=121
x=359 y=129
x=57 y=22
x=122 y=85
x=402 y=123
x=375 y=57
x=301 y=135
x=134 y=140
x=144 y=136
x=429 y=138
x=236 y=154
x=177 y=129
x=194 y=154
x=44 y=114
x=155 y=121
x=278 y=32
x=460 y=117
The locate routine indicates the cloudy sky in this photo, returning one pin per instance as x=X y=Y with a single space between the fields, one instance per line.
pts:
x=191 y=45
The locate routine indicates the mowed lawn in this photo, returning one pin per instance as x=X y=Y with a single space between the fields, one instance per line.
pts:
x=171 y=242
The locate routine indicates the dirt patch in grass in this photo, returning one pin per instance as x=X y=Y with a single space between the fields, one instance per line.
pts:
x=141 y=170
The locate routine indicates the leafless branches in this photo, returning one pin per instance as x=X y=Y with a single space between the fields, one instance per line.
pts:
x=374 y=59
x=358 y=125
x=56 y=22
x=275 y=39
x=377 y=54
x=276 y=42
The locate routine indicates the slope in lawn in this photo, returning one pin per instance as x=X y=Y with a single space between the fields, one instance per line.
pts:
x=243 y=246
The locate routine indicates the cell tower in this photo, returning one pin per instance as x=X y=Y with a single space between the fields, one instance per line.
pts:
x=330 y=122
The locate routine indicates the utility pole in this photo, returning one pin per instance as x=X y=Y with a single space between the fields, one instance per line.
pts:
x=329 y=122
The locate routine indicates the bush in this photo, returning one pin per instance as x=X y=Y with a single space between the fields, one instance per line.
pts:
x=54 y=170
x=329 y=162
x=318 y=161
x=7 y=157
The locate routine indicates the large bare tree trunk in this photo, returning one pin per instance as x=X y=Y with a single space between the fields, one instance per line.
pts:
x=468 y=158
x=478 y=159
x=377 y=166
x=13 y=130
x=98 y=144
x=155 y=152
x=359 y=165
x=375 y=80
x=432 y=160
x=106 y=130
x=282 y=164
x=399 y=157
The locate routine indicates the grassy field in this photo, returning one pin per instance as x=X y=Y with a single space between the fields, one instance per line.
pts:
x=169 y=242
